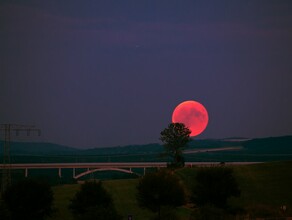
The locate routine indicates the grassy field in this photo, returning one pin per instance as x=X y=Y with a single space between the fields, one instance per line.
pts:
x=265 y=187
x=122 y=191
x=124 y=195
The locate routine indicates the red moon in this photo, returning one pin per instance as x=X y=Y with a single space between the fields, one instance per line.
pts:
x=194 y=116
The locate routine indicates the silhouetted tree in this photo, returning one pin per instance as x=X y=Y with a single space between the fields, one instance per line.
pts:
x=4 y=212
x=214 y=185
x=92 y=201
x=29 y=199
x=175 y=138
x=160 y=189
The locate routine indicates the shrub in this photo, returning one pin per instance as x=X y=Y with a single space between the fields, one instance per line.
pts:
x=92 y=201
x=29 y=199
x=156 y=190
x=214 y=186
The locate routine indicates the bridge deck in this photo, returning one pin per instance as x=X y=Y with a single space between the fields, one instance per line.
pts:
x=111 y=165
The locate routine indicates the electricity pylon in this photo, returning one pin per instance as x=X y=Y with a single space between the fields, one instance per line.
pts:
x=8 y=128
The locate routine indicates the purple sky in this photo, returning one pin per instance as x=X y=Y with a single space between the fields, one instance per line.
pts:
x=105 y=73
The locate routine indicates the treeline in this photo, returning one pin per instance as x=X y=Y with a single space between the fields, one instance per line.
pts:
x=160 y=192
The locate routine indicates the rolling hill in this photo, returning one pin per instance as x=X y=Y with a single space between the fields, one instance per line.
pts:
x=230 y=149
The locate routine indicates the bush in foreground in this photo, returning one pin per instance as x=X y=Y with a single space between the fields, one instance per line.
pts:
x=92 y=201
x=29 y=199
x=214 y=186
x=4 y=212
x=161 y=189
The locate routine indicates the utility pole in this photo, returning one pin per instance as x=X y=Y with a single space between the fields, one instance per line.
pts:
x=8 y=128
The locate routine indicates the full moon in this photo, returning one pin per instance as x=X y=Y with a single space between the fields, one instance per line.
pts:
x=193 y=115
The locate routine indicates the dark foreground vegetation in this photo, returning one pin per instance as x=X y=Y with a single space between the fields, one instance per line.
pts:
x=28 y=200
x=160 y=190
x=92 y=201
x=253 y=191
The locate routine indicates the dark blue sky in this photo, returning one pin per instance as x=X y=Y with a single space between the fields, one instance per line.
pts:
x=106 y=73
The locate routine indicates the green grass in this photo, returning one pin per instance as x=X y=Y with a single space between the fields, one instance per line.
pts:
x=124 y=196
x=62 y=196
x=122 y=191
x=267 y=184
x=264 y=187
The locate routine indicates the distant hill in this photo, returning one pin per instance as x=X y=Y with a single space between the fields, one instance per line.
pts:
x=36 y=148
x=260 y=149
x=270 y=145
x=158 y=148
x=128 y=149
x=237 y=149
x=213 y=143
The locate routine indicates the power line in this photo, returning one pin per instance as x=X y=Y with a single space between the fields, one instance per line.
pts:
x=8 y=129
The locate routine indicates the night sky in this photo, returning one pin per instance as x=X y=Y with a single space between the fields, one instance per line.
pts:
x=107 y=73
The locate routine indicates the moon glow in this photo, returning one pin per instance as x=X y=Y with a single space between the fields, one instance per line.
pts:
x=193 y=114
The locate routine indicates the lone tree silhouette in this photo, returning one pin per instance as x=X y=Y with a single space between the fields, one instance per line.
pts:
x=175 y=138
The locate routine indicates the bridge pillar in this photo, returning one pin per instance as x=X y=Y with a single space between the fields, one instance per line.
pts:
x=60 y=172
x=144 y=170
x=74 y=174
x=26 y=172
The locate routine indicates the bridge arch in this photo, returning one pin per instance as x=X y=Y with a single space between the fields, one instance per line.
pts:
x=89 y=171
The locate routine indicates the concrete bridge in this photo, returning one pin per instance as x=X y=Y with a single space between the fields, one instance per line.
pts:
x=95 y=167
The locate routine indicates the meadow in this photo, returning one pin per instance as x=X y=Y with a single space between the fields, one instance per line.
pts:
x=264 y=189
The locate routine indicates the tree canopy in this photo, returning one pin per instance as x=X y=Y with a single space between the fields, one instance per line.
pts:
x=159 y=189
x=92 y=201
x=214 y=185
x=29 y=199
x=175 y=138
